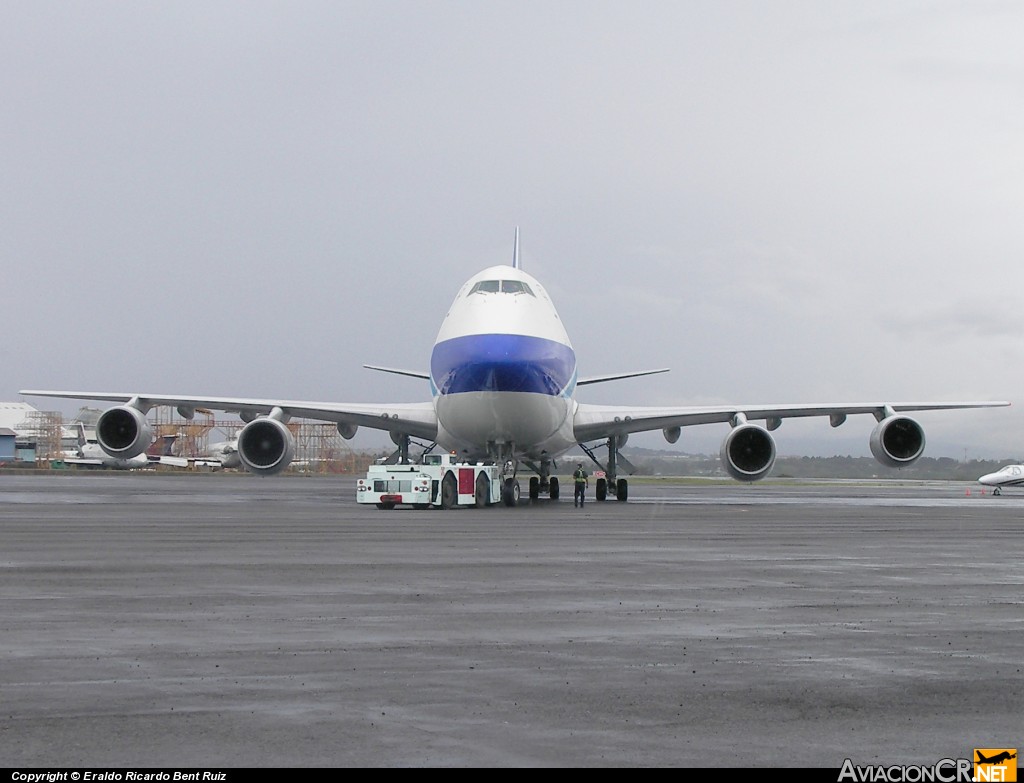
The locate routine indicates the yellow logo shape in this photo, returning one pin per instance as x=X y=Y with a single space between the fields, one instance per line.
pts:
x=995 y=765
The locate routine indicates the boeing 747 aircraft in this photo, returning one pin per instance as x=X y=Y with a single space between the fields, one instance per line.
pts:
x=503 y=379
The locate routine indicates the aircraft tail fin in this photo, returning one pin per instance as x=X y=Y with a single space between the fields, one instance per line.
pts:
x=515 y=252
x=162 y=446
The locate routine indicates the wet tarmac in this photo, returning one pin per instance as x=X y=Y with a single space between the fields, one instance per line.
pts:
x=229 y=621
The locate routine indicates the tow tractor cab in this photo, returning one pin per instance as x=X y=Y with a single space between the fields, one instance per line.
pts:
x=437 y=480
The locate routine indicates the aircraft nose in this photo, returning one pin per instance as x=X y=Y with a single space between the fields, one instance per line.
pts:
x=988 y=479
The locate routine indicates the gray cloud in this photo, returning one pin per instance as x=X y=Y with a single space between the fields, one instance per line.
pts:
x=783 y=202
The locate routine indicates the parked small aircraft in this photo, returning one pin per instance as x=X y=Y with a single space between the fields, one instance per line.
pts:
x=1008 y=476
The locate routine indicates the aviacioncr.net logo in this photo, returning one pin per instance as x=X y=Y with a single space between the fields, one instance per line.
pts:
x=942 y=771
x=995 y=765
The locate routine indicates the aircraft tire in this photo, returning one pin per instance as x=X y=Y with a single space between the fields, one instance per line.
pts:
x=622 y=490
x=553 y=488
x=510 y=493
x=534 y=489
x=601 y=490
x=483 y=491
x=449 y=492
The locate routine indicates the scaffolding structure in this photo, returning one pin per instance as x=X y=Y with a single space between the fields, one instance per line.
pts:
x=319 y=448
x=45 y=428
x=191 y=436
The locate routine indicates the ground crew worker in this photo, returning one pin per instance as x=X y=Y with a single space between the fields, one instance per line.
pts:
x=580 y=479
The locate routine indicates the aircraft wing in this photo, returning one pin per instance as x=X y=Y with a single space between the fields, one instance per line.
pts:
x=599 y=421
x=616 y=377
x=411 y=373
x=82 y=461
x=169 y=461
x=416 y=419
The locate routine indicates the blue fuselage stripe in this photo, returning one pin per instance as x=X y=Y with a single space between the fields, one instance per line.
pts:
x=502 y=363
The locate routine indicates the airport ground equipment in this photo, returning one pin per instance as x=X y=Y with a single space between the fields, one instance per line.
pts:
x=439 y=480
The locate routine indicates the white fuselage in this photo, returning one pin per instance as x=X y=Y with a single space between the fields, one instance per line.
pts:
x=225 y=452
x=503 y=372
x=93 y=451
x=1009 y=476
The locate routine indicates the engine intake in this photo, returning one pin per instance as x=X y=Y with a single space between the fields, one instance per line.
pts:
x=748 y=452
x=897 y=441
x=123 y=432
x=265 y=446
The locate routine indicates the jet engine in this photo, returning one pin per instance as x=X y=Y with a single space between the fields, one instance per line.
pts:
x=897 y=441
x=123 y=432
x=265 y=446
x=748 y=452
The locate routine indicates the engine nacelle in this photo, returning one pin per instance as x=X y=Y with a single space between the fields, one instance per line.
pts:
x=748 y=452
x=897 y=441
x=123 y=432
x=347 y=431
x=265 y=446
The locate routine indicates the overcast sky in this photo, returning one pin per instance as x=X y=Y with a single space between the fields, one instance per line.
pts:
x=783 y=202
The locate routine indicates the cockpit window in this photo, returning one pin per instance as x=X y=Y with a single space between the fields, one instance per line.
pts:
x=515 y=287
x=502 y=286
x=486 y=287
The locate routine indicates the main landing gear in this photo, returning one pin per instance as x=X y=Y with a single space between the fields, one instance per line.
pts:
x=617 y=487
x=401 y=455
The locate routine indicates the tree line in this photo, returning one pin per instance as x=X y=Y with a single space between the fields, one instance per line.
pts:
x=935 y=468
